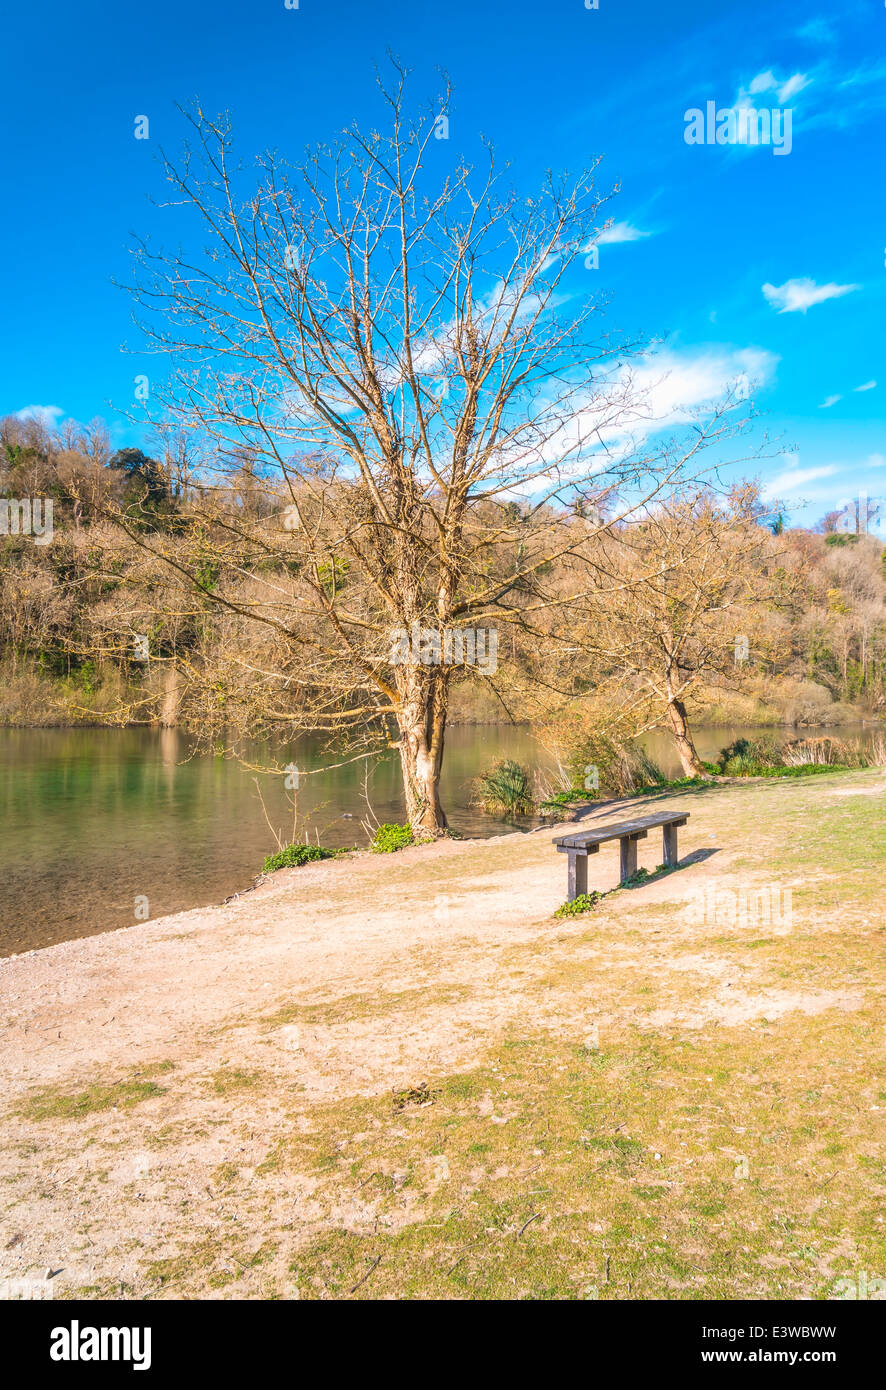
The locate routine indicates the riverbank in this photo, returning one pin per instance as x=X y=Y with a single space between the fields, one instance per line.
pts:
x=401 y=1076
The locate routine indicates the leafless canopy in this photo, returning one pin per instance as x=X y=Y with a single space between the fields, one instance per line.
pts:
x=405 y=366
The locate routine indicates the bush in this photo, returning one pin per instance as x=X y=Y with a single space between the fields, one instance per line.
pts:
x=555 y=807
x=795 y=758
x=506 y=788
x=622 y=768
x=389 y=838
x=748 y=757
x=824 y=752
x=583 y=903
x=293 y=856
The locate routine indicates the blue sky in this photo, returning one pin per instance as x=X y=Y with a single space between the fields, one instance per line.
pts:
x=743 y=259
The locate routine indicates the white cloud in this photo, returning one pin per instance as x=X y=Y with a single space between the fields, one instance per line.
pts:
x=793 y=85
x=795 y=478
x=672 y=385
x=865 y=386
x=48 y=415
x=665 y=390
x=763 y=82
x=768 y=82
x=829 y=401
x=876 y=461
x=620 y=232
x=801 y=294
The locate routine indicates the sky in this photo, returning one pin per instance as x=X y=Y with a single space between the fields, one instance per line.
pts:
x=763 y=261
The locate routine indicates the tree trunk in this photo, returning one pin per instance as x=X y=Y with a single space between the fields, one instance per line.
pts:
x=422 y=725
x=169 y=708
x=679 y=727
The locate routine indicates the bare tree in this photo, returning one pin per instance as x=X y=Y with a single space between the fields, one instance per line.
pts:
x=673 y=605
x=379 y=339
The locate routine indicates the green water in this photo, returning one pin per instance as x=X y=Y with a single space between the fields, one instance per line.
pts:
x=93 y=822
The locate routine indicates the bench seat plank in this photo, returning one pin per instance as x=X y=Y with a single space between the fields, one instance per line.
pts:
x=581 y=839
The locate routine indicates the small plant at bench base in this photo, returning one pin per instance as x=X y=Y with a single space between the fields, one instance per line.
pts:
x=647 y=875
x=635 y=879
x=293 y=856
x=389 y=838
x=583 y=903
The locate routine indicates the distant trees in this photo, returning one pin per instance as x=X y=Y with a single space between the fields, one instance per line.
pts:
x=145 y=496
x=591 y=625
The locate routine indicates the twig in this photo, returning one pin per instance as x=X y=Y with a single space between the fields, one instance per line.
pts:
x=536 y=1217
x=369 y=1271
x=264 y=810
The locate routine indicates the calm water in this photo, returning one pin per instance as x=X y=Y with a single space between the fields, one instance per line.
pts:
x=93 y=819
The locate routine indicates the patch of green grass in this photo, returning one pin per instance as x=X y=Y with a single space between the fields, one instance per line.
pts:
x=506 y=789
x=585 y=902
x=389 y=838
x=662 y=1167
x=55 y=1103
x=294 y=856
x=220 y=1261
x=561 y=800
x=228 y=1080
x=328 y=1013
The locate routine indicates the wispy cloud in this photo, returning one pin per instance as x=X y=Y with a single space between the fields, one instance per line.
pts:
x=783 y=88
x=48 y=415
x=865 y=386
x=669 y=388
x=620 y=232
x=795 y=478
x=793 y=85
x=796 y=296
x=829 y=401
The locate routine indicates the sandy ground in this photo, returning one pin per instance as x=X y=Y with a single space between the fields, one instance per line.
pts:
x=286 y=980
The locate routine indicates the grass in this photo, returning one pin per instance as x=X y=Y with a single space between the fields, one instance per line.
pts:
x=229 y=1080
x=506 y=789
x=584 y=902
x=610 y=1174
x=294 y=856
x=389 y=838
x=55 y=1103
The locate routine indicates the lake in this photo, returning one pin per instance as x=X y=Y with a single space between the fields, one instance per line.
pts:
x=103 y=827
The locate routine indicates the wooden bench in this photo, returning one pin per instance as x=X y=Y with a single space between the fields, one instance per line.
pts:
x=581 y=843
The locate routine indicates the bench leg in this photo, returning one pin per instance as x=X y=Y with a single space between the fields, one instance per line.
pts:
x=578 y=876
x=671 y=858
x=628 y=866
